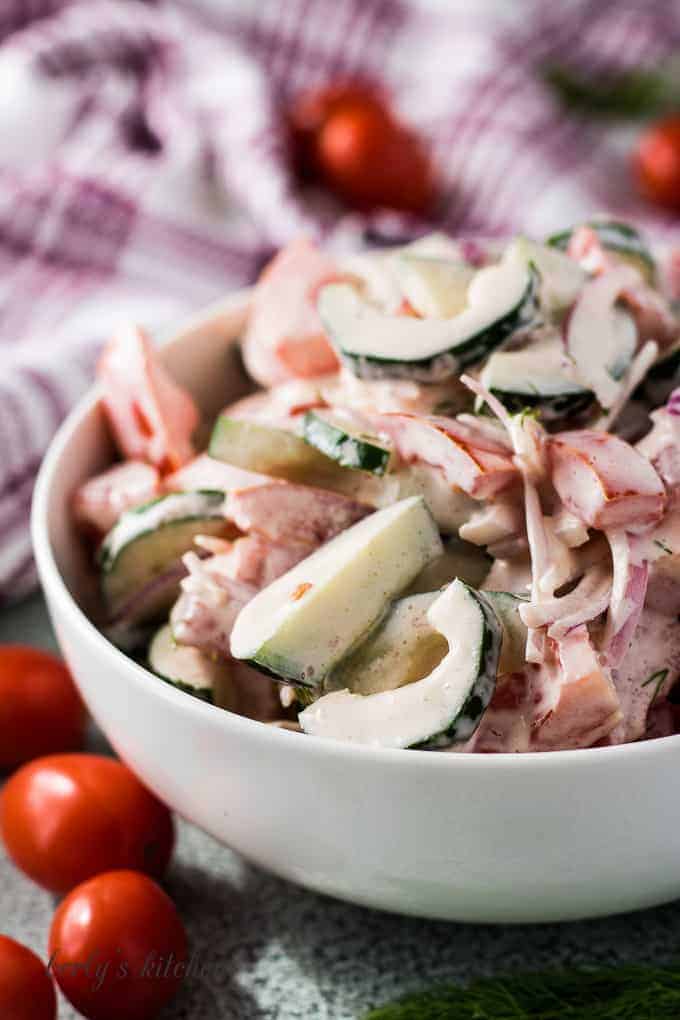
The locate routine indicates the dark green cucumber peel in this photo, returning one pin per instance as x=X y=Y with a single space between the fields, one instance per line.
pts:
x=506 y=605
x=202 y=693
x=139 y=579
x=484 y=685
x=285 y=675
x=561 y=405
x=476 y=348
x=347 y=450
x=629 y=992
x=106 y=560
x=616 y=236
x=306 y=695
x=265 y=448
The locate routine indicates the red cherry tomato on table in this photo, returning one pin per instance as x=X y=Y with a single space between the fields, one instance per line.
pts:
x=67 y=817
x=657 y=162
x=117 y=947
x=311 y=109
x=370 y=161
x=26 y=988
x=346 y=137
x=40 y=709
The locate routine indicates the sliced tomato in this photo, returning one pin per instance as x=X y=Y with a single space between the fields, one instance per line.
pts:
x=437 y=441
x=293 y=513
x=204 y=472
x=580 y=704
x=255 y=560
x=152 y=418
x=209 y=603
x=505 y=726
x=284 y=338
x=99 y=502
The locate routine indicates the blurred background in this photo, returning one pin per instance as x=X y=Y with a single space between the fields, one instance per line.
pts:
x=155 y=154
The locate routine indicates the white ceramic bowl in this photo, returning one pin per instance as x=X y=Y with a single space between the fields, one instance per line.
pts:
x=531 y=837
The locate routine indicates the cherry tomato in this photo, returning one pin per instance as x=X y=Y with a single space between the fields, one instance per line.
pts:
x=40 y=710
x=118 y=947
x=310 y=111
x=67 y=817
x=370 y=161
x=346 y=137
x=26 y=989
x=657 y=162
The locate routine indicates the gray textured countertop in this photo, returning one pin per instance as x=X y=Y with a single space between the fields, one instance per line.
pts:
x=271 y=950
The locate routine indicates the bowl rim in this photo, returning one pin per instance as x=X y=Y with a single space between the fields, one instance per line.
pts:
x=53 y=582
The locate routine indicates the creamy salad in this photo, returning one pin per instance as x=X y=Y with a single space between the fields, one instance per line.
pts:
x=448 y=518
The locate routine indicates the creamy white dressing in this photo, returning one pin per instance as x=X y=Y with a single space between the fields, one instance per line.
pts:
x=448 y=505
x=561 y=277
x=493 y=522
x=420 y=710
x=435 y=287
x=378 y=281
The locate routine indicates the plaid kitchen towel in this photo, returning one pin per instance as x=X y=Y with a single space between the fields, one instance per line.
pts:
x=143 y=168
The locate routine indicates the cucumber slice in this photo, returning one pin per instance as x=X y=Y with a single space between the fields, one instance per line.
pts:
x=561 y=277
x=538 y=376
x=449 y=507
x=265 y=449
x=328 y=434
x=303 y=623
x=445 y=706
x=150 y=540
x=501 y=301
x=281 y=454
x=435 y=287
x=436 y=245
x=404 y=647
x=191 y=670
x=619 y=237
x=513 y=649
x=459 y=559
x=601 y=337
x=375 y=273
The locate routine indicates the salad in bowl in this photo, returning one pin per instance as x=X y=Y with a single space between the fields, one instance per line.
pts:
x=446 y=519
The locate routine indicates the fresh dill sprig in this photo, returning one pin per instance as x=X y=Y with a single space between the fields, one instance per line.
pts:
x=637 y=92
x=580 y=993
x=659 y=677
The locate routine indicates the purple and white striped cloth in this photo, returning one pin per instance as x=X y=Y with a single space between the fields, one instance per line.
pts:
x=143 y=168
